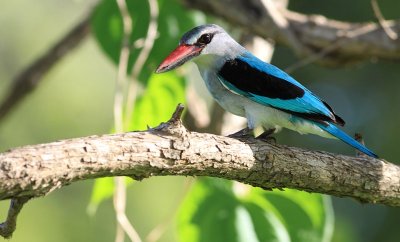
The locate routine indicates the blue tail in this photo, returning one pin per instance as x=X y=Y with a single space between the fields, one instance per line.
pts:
x=333 y=130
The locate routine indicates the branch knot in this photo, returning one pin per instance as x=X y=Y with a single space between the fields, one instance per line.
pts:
x=174 y=125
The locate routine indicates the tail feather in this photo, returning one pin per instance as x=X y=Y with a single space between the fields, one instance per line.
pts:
x=333 y=130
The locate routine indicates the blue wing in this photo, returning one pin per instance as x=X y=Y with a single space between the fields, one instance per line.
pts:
x=268 y=85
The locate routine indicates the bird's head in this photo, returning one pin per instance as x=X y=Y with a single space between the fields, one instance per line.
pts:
x=202 y=40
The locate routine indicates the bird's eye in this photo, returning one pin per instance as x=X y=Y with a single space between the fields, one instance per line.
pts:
x=204 y=39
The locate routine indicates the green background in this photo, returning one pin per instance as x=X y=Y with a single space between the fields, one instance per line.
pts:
x=75 y=99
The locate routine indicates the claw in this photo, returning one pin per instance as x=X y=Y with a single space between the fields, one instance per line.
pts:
x=266 y=136
x=243 y=133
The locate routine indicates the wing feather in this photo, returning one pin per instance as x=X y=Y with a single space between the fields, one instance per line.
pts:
x=268 y=85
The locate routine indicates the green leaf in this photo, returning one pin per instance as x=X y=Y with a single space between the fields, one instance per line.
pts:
x=173 y=21
x=306 y=216
x=208 y=213
x=107 y=26
x=266 y=225
x=158 y=102
x=156 y=105
x=253 y=214
x=103 y=188
x=164 y=92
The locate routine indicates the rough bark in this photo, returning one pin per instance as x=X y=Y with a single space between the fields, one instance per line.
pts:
x=8 y=227
x=339 y=42
x=170 y=149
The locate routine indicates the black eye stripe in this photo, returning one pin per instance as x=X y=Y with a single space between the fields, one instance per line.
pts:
x=204 y=39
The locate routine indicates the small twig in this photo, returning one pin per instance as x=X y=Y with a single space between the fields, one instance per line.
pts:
x=123 y=224
x=314 y=31
x=7 y=228
x=142 y=57
x=283 y=25
x=149 y=40
x=359 y=138
x=313 y=57
x=344 y=37
x=382 y=22
x=174 y=125
x=120 y=205
x=30 y=78
x=122 y=65
x=176 y=116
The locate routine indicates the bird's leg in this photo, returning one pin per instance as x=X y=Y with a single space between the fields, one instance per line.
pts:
x=246 y=132
x=266 y=135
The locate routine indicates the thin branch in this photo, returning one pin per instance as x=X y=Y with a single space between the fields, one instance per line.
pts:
x=381 y=20
x=120 y=205
x=119 y=233
x=344 y=36
x=8 y=227
x=170 y=149
x=283 y=25
x=30 y=78
x=314 y=31
x=312 y=58
x=123 y=224
x=142 y=57
x=122 y=66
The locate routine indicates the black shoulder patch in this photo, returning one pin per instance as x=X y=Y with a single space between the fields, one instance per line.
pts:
x=244 y=77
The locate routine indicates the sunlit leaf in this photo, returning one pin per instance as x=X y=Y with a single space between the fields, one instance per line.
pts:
x=158 y=102
x=164 y=92
x=173 y=21
x=257 y=215
x=266 y=225
x=108 y=30
x=305 y=215
x=103 y=189
x=208 y=213
x=156 y=105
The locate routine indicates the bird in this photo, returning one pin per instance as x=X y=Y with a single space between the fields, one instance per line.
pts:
x=248 y=87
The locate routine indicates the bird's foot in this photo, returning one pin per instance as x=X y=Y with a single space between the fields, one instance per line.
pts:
x=266 y=136
x=243 y=133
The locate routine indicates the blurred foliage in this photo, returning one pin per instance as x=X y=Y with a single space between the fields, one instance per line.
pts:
x=156 y=104
x=108 y=30
x=75 y=99
x=218 y=210
x=158 y=101
x=163 y=92
x=103 y=189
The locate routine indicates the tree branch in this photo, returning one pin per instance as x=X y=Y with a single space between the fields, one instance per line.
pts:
x=354 y=41
x=170 y=149
x=338 y=42
x=30 y=78
x=8 y=227
x=382 y=21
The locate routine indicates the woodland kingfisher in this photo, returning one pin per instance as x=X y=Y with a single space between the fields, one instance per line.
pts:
x=246 y=86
